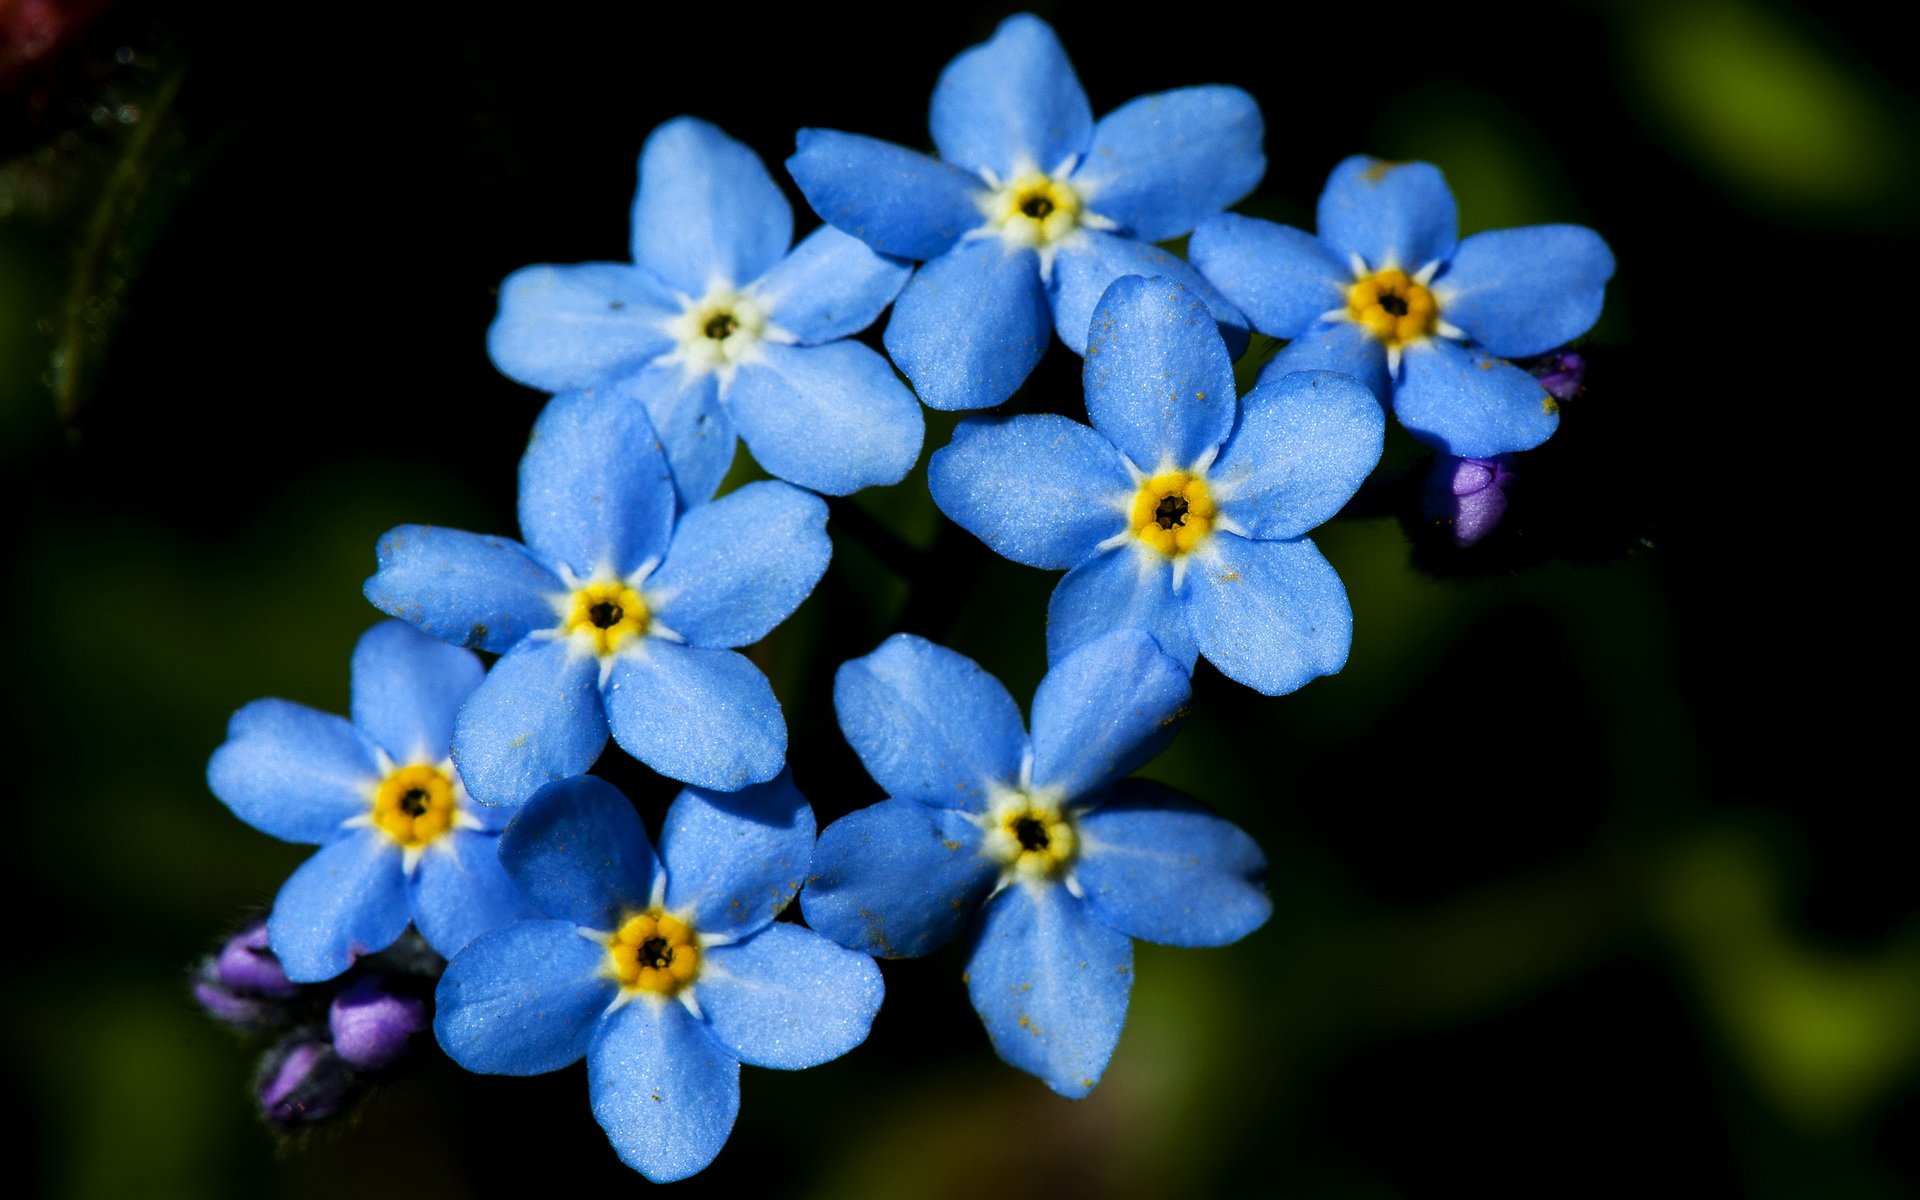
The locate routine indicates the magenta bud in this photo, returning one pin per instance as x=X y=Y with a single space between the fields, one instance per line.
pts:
x=1470 y=494
x=230 y=1007
x=374 y=1025
x=246 y=966
x=303 y=1082
x=1563 y=373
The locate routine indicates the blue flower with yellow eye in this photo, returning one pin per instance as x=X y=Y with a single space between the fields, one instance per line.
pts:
x=620 y=613
x=399 y=838
x=1032 y=208
x=717 y=326
x=1180 y=511
x=665 y=973
x=1389 y=294
x=1056 y=859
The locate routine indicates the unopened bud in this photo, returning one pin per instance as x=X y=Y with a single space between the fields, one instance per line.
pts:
x=303 y=1082
x=246 y=966
x=1470 y=494
x=374 y=1023
x=1563 y=373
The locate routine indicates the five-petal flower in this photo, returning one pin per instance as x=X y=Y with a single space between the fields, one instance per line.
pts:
x=1032 y=208
x=716 y=326
x=1058 y=860
x=1179 y=511
x=1387 y=293
x=615 y=613
x=665 y=973
x=399 y=838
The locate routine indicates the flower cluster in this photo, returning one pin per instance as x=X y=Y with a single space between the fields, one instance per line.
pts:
x=458 y=799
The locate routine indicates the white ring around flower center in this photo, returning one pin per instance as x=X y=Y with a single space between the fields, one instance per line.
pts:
x=718 y=332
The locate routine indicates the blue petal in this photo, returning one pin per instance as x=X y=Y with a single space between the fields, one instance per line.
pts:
x=406 y=689
x=595 y=491
x=1526 y=291
x=537 y=717
x=561 y=328
x=1085 y=268
x=1157 y=865
x=740 y=565
x=1105 y=709
x=833 y=418
x=579 y=853
x=970 y=325
x=1012 y=103
x=1161 y=163
x=736 y=859
x=788 y=998
x=459 y=891
x=898 y=879
x=1039 y=488
x=349 y=899
x=1271 y=615
x=692 y=425
x=485 y=593
x=1342 y=347
x=705 y=717
x=896 y=200
x=293 y=772
x=664 y=1088
x=1158 y=379
x=1390 y=214
x=1281 y=277
x=707 y=210
x=1051 y=984
x=1121 y=589
x=928 y=723
x=832 y=286
x=1304 y=444
x=1471 y=403
x=523 y=1000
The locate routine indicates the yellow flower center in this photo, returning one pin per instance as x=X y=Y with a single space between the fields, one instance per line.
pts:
x=609 y=614
x=1030 y=835
x=1392 y=307
x=1034 y=209
x=414 y=805
x=1172 y=512
x=653 y=952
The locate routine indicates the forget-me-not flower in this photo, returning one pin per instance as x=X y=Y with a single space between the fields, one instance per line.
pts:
x=1032 y=208
x=716 y=327
x=619 y=611
x=399 y=838
x=1056 y=858
x=1387 y=293
x=667 y=973
x=1180 y=511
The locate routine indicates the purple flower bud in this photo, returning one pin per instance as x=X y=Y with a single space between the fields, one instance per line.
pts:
x=230 y=1007
x=1563 y=373
x=373 y=1024
x=303 y=1082
x=1468 y=493
x=247 y=967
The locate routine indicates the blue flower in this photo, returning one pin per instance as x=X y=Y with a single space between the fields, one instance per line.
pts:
x=1057 y=860
x=717 y=326
x=399 y=838
x=666 y=974
x=616 y=612
x=1031 y=207
x=1388 y=295
x=1179 y=512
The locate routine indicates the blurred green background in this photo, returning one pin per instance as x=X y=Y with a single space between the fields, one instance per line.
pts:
x=1587 y=878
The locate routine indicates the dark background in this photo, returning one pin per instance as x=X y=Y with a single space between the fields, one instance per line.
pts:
x=1586 y=876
